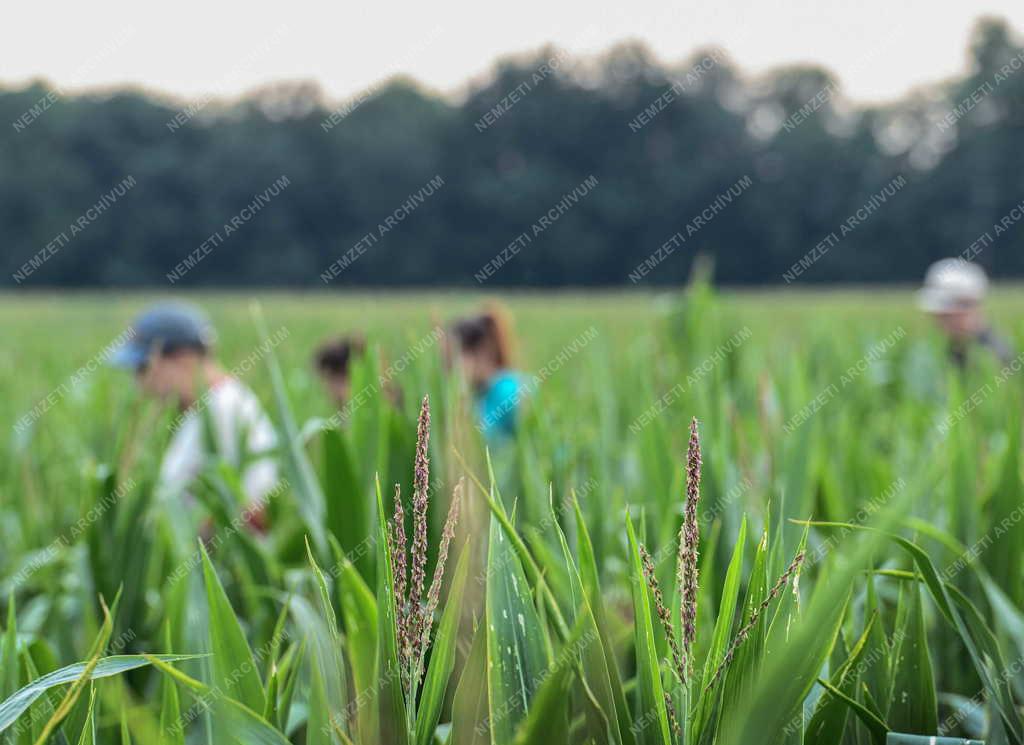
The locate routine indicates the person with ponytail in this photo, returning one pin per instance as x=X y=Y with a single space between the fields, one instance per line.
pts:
x=483 y=344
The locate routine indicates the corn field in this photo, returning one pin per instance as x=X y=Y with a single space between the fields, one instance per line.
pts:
x=723 y=520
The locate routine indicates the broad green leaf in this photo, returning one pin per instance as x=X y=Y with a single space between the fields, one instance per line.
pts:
x=828 y=722
x=914 y=708
x=650 y=725
x=233 y=666
x=273 y=675
x=442 y=658
x=516 y=649
x=322 y=722
x=469 y=707
x=359 y=612
x=386 y=697
x=9 y=652
x=876 y=726
x=331 y=664
x=876 y=676
x=529 y=565
x=1003 y=556
x=996 y=685
x=348 y=513
x=126 y=737
x=547 y=720
x=88 y=735
x=741 y=675
x=105 y=667
x=708 y=698
x=592 y=589
x=290 y=669
x=598 y=697
x=85 y=678
x=172 y=727
x=795 y=654
x=239 y=724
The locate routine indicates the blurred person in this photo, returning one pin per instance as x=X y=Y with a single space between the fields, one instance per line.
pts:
x=333 y=361
x=953 y=293
x=482 y=344
x=171 y=354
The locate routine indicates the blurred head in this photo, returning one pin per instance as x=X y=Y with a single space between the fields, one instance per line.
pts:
x=333 y=361
x=168 y=347
x=172 y=373
x=953 y=293
x=481 y=345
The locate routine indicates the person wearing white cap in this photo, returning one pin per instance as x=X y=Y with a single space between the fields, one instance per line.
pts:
x=953 y=292
x=170 y=352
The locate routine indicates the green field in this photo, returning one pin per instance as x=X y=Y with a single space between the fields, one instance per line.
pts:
x=833 y=405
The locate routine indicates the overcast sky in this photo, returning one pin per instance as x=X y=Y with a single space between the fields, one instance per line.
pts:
x=879 y=48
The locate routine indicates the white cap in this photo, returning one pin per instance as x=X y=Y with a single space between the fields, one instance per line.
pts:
x=951 y=284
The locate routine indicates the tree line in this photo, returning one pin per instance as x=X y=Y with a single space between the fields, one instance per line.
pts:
x=555 y=171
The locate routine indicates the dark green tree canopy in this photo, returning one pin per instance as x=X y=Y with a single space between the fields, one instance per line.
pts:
x=555 y=171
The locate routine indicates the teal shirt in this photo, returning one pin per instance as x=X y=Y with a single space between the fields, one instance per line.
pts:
x=498 y=404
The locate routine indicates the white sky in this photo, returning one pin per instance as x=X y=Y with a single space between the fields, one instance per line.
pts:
x=879 y=48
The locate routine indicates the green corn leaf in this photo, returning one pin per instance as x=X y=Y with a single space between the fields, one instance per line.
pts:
x=741 y=674
x=88 y=735
x=322 y=722
x=599 y=698
x=442 y=658
x=828 y=722
x=273 y=674
x=1003 y=557
x=469 y=707
x=516 y=649
x=708 y=698
x=331 y=663
x=9 y=652
x=126 y=737
x=991 y=652
x=876 y=726
x=592 y=589
x=493 y=499
x=876 y=676
x=41 y=708
x=942 y=594
x=290 y=668
x=85 y=678
x=233 y=666
x=348 y=511
x=780 y=687
x=721 y=635
x=172 y=728
x=359 y=611
x=239 y=724
x=105 y=667
x=651 y=719
x=547 y=721
x=914 y=707
x=392 y=719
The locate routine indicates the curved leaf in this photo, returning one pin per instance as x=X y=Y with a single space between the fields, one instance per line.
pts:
x=17 y=704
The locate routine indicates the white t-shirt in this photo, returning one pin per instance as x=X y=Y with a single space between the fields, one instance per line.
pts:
x=241 y=430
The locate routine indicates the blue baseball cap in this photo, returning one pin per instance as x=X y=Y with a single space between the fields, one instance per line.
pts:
x=163 y=327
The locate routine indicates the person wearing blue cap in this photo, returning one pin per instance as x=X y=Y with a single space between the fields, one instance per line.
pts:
x=170 y=350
